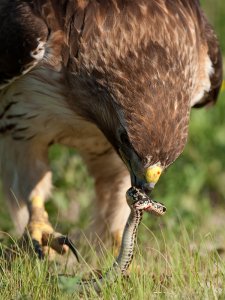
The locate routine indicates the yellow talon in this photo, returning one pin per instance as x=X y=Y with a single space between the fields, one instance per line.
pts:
x=40 y=229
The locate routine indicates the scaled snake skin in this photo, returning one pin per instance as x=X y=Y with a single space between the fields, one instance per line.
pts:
x=138 y=202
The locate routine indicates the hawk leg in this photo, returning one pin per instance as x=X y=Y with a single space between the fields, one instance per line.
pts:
x=27 y=184
x=40 y=231
x=111 y=183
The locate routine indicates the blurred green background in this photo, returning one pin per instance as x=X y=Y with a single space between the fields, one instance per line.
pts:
x=193 y=187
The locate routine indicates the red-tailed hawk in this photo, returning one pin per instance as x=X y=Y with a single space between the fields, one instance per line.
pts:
x=115 y=79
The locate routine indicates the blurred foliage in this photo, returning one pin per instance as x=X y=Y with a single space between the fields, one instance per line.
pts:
x=193 y=184
x=215 y=11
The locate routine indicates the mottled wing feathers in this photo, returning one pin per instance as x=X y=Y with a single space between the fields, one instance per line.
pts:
x=215 y=56
x=74 y=22
x=22 y=39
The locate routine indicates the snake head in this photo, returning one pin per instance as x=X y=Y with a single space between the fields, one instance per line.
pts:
x=156 y=208
x=138 y=200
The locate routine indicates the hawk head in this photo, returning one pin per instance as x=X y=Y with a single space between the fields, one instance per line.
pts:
x=150 y=140
x=147 y=130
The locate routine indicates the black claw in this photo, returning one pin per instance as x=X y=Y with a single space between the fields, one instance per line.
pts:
x=38 y=249
x=64 y=240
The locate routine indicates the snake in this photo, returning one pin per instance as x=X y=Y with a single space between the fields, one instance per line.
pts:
x=138 y=202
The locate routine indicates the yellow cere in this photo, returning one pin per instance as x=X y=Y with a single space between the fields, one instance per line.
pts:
x=153 y=173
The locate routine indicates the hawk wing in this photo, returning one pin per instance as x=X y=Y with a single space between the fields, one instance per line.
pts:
x=23 y=36
x=215 y=56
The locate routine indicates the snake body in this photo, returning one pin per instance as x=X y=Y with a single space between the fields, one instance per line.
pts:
x=138 y=202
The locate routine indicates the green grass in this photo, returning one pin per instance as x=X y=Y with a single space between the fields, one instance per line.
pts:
x=178 y=256
x=166 y=266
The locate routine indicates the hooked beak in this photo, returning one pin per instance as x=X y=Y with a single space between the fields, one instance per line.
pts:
x=140 y=182
x=147 y=182
x=143 y=178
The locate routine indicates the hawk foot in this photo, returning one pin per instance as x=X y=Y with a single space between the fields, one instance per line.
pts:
x=40 y=232
x=46 y=241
